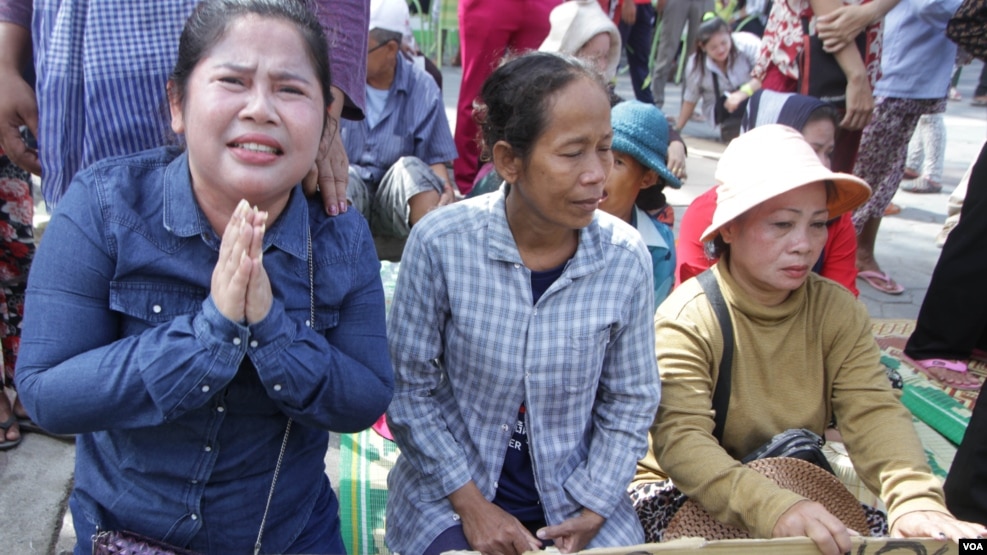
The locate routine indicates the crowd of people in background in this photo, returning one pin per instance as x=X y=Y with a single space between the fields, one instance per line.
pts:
x=559 y=366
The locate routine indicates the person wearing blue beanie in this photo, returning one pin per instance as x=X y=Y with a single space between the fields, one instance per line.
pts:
x=640 y=150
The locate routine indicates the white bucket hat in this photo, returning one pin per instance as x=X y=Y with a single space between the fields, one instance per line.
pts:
x=771 y=160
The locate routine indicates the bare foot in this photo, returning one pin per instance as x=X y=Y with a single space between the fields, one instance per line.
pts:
x=950 y=372
x=9 y=430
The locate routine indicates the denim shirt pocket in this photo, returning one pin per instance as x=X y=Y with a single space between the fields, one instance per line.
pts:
x=326 y=318
x=146 y=304
x=585 y=361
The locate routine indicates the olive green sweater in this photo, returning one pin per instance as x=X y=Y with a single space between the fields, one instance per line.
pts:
x=795 y=365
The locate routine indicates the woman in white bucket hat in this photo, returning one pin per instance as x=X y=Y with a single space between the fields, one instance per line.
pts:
x=802 y=354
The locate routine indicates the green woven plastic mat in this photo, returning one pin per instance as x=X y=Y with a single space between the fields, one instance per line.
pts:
x=365 y=459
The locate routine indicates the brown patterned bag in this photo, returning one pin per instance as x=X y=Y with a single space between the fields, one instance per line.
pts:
x=968 y=27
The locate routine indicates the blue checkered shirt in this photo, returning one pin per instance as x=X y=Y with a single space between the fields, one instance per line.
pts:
x=469 y=347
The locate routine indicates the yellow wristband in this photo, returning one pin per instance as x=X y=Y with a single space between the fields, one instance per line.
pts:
x=747 y=89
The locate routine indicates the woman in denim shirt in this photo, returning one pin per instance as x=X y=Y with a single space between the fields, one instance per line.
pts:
x=170 y=309
x=521 y=333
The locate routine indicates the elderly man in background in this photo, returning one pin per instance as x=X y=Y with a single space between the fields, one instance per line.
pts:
x=398 y=154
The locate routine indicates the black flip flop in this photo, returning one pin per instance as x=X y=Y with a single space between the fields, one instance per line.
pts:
x=28 y=425
x=10 y=444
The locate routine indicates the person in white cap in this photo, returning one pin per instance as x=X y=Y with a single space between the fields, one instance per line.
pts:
x=398 y=153
x=803 y=353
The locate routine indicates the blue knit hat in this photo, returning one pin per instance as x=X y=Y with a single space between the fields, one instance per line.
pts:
x=640 y=129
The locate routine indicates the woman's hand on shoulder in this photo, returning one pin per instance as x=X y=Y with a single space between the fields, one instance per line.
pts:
x=808 y=518
x=240 y=287
x=933 y=524
x=574 y=534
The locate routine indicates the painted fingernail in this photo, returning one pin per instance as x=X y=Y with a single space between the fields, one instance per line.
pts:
x=343 y=207
x=333 y=210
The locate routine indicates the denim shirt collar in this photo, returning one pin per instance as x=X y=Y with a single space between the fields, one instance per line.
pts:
x=184 y=218
x=589 y=256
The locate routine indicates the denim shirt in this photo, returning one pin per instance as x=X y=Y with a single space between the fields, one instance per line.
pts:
x=469 y=347
x=180 y=411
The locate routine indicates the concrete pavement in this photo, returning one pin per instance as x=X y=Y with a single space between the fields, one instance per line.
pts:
x=36 y=477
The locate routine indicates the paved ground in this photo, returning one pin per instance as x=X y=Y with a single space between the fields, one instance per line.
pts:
x=35 y=478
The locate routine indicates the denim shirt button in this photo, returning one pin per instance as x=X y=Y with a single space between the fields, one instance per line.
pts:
x=220 y=409
x=308 y=323
x=194 y=516
x=193 y=481
x=156 y=309
x=277 y=387
x=205 y=389
x=208 y=448
x=236 y=341
x=253 y=344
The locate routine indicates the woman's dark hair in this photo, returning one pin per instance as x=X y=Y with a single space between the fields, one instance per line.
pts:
x=715 y=248
x=825 y=112
x=514 y=100
x=706 y=31
x=211 y=19
x=652 y=198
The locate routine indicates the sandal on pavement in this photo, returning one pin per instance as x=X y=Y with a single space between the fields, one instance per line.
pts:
x=926 y=365
x=881 y=281
x=9 y=443
x=892 y=210
x=910 y=174
x=28 y=425
x=979 y=100
x=921 y=186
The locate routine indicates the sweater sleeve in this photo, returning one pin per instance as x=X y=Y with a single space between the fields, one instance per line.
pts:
x=876 y=427
x=689 y=346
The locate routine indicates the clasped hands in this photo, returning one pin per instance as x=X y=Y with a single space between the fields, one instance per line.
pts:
x=240 y=287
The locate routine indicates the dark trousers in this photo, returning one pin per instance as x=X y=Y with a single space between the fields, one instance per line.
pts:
x=966 y=484
x=982 y=85
x=953 y=318
x=637 y=44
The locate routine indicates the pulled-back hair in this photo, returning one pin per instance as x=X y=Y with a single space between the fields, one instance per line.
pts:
x=211 y=19
x=825 y=112
x=514 y=101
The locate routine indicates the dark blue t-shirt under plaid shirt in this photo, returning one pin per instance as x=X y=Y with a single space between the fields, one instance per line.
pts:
x=516 y=491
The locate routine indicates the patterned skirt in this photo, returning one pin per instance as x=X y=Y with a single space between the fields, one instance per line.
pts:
x=16 y=252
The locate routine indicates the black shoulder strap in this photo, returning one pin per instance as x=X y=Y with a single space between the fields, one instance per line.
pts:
x=716 y=88
x=721 y=392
